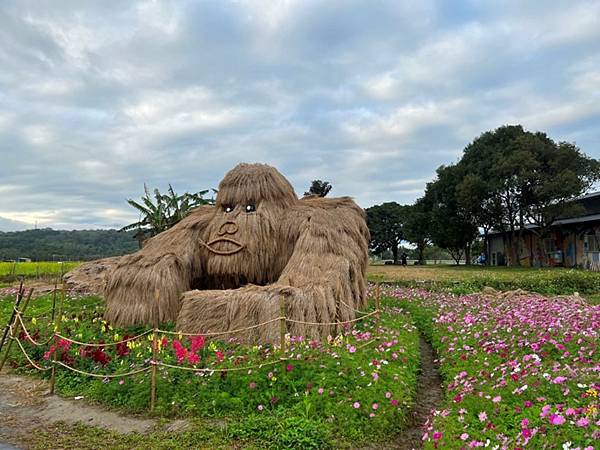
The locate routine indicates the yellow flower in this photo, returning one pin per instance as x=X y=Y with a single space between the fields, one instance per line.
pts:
x=116 y=337
x=34 y=320
x=593 y=392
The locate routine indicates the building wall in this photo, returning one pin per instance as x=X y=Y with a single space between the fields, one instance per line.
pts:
x=574 y=246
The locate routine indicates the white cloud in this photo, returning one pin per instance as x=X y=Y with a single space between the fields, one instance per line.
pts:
x=98 y=98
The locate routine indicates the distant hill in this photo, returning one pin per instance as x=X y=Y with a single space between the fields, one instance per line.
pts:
x=59 y=245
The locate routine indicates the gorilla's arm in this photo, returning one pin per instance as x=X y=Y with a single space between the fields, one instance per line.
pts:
x=168 y=263
x=324 y=280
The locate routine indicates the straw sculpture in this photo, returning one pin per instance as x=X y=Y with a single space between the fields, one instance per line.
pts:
x=225 y=267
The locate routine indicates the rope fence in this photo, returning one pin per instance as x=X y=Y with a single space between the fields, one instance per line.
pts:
x=17 y=325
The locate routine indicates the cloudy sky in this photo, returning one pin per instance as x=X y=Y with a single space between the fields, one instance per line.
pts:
x=98 y=98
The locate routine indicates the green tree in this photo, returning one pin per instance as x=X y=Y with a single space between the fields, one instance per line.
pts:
x=515 y=178
x=386 y=223
x=161 y=211
x=417 y=231
x=319 y=188
x=451 y=227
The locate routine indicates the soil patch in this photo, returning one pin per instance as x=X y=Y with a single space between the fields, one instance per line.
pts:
x=429 y=396
x=25 y=406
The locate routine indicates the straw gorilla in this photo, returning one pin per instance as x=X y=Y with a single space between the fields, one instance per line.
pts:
x=225 y=267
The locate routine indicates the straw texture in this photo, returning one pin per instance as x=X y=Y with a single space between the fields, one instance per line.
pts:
x=226 y=267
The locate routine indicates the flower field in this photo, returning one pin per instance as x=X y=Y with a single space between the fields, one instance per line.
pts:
x=354 y=387
x=519 y=372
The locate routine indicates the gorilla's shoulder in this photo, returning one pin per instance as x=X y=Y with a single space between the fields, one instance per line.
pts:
x=314 y=201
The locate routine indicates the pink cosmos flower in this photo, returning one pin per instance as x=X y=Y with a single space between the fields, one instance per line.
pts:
x=464 y=436
x=356 y=405
x=394 y=402
x=375 y=406
x=556 y=419
x=497 y=399
x=482 y=416
x=582 y=422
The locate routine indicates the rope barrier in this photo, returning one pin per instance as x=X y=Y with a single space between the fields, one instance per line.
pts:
x=116 y=375
x=219 y=333
x=352 y=307
x=37 y=344
x=109 y=344
x=225 y=369
x=27 y=356
x=333 y=323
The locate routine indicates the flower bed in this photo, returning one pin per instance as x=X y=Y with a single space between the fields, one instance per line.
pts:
x=356 y=386
x=519 y=371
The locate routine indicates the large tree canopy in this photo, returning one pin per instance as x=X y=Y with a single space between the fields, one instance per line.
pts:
x=385 y=223
x=514 y=178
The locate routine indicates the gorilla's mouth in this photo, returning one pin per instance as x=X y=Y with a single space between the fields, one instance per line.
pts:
x=223 y=246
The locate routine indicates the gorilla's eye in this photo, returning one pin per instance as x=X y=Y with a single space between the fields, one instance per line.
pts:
x=250 y=208
x=228 y=208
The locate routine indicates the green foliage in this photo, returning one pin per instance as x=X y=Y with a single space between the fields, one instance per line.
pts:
x=417 y=219
x=61 y=245
x=319 y=188
x=515 y=178
x=161 y=211
x=311 y=397
x=386 y=223
x=271 y=431
x=451 y=227
x=464 y=280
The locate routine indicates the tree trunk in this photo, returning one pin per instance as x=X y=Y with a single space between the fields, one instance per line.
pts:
x=421 y=249
x=468 y=254
x=395 y=253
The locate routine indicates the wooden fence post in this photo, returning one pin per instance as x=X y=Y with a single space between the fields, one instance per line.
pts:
x=154 y=352
x=57 y=328
x=16 y=329
x=18 y=299
x=54 y=299
x=282 y=324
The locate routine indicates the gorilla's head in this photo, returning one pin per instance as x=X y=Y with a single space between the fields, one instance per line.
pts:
x=245 y=240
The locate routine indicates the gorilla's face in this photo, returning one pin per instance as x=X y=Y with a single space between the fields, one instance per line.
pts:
x=245 y=242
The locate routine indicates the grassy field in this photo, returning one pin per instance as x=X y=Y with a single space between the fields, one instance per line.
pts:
x=468 y=279
x=41 y=269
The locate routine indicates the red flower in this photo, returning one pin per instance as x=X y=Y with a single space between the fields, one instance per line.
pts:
x=99 y=356
x=220 y=356
x=197 y=343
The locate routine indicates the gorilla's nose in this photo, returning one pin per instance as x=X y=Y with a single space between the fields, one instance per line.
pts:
x=228 y=227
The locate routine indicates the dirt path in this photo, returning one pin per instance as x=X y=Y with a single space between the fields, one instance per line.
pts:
x=24 y=406
x=429 y=396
